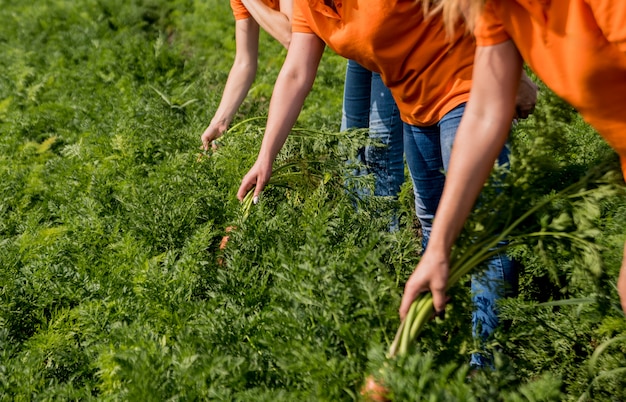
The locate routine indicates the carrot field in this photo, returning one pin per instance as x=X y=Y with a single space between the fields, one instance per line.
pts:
x=113 y=285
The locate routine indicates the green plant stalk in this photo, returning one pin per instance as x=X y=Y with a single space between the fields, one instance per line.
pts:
x=422 y=308
x=246 y=204
x=234 y=127
x=605 y=374
x=401 y=333
x=283 y=177
x=601 y=349
x=396 y=340
x=425 y=312
x=568 y=302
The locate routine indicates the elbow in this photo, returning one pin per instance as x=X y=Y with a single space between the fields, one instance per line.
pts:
x=482 y=121
x=286 y=40
x=298 y=80
x=247 y=67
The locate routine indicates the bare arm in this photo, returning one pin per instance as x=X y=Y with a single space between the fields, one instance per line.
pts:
x=293 y=84
x=276 y=23
x=481 y=135
x=240 y=79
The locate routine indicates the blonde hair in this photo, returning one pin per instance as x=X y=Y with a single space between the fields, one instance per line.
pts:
x=454 y=10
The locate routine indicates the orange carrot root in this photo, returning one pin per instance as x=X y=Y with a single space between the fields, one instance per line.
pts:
x=224 y=242
x=374 y=391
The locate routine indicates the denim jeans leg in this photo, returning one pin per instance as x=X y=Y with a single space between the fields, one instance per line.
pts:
x=498 y=280
x=386 y=162
x=368 y=103
x=355 y=112
x=427 y=151
x=487 y=288
x=422 y=150
x=356 y=97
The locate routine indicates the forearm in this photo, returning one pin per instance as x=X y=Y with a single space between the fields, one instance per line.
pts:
x=290 y=92
x=276 y=23
x=239 y=81
x=481 y=135
x=476 y=147
x=293 y=84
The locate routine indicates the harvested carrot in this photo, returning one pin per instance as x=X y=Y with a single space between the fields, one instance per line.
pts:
x=373 y=391
x=224 y=242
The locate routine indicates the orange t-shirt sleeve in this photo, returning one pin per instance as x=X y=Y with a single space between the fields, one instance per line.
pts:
x=610 y=15
x=298 y=19
x=239 y=10
x=489 y=28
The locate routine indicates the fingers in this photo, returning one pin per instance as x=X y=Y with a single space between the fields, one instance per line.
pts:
x=414 y=286
x=247 y=183
x=260 y=185
x=252 y=179
x=410 y=294
x=439 y=302
x=407 y=299
x=206 y=139
x=209 y=137
x=213 y=144
x=438 y=290
x=204 y=148
x=431 y=274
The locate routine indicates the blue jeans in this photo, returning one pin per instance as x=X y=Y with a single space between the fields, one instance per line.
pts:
x=368 y=103
x=427 y=151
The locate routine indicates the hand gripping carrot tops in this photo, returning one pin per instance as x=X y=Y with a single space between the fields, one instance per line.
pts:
x=274 y=16
x=429 y=75
x=577 y=48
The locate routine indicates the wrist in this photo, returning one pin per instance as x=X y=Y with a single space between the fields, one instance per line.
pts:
x=264 y=160
x=220 y=125
x=438 y=249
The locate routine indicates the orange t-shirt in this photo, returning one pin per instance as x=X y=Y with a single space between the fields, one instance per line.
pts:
x=427 y=73
x=576 y=47
x=241 y=12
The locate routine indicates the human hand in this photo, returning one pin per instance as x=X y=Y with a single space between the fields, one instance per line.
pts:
x=210 y=136
x=257 y=177
x=526 y=97
x=430 y=274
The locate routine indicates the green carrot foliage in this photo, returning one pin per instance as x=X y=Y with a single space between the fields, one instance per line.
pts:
x=113 y=285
